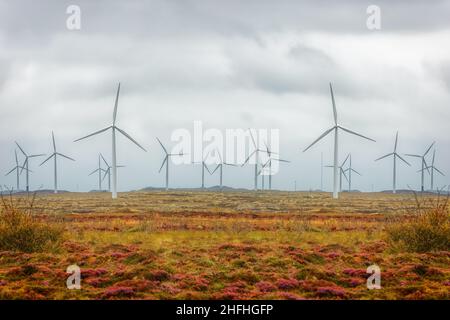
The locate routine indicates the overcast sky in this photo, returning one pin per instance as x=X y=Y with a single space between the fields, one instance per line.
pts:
x=230 y=64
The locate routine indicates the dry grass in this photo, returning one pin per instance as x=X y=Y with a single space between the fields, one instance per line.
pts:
x=208 y=245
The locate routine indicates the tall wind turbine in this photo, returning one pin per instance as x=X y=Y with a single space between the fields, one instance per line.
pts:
x=424 y=165
x=55 y=155
x=433 y=168
x=335 y=129
x=395 y=156
x=220 y=166
x=341 y=172
x=114 y=128
x=16 y=168
x=108 y=172
x=99 y=170
x=166 y=161
x=256 y=153
x=25 y=165
x=350 y=171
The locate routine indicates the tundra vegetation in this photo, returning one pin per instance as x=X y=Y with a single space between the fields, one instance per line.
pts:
x=224 y=245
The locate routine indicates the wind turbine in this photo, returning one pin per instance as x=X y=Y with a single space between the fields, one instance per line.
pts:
x=99 y=170
x=16 y=168
x=108 y=172
x=350 y=171
x=268 y=165
x=166 y=161
x=114 y=128
x=256 y=153
x=395 y=156
x=204 y=166
x=424 y=165
x=432 y=167
x=220 y=166
x=25 y=165
x=335 y=129
x=55 y=155
x=341 y=172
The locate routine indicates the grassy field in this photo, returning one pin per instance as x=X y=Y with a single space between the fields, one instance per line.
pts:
x=211 y=245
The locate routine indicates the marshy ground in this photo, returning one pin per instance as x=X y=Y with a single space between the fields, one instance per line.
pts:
x=231 y=245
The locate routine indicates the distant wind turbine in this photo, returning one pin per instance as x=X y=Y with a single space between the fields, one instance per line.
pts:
x=256 y=153
x=16 y=168
x=395 y=156
x=267 y=167
x=166 y=161
x=25 y=165
x=108 y=172
x=114 y=128
x=341 y=172
x=220 y=166
x=55 y=155
x=204 y=166
x=350 y=170
x=335 y=129
x=99 y=170
x=433 y=168
x=424 y=165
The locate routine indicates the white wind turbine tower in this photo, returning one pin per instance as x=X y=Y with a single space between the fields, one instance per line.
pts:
x=433 y=168
x=114 y=128
x=220 y=166
x=99 y=170
x=108 y=172
x=335 y=129
x=55 y=155
x=350 y=171
x=166 y=161
x=395 y=156
x=25 y=165
x=16 y=168
x=424 y=165
x=256 y=153
x=341 y=172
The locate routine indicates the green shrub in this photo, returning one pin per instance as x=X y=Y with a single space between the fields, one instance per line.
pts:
x=21 y=231
x=428 y=230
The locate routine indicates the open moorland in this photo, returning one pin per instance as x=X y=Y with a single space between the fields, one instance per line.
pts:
x=229 y=245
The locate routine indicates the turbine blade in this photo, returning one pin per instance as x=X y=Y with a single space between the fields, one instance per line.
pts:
x=343 y=163
x=93 y=134
x=396 y=142
x=216 y=168
x=20 y=148
x=165 y=150
x=246 y=160
x=206 y=167
x=434 y=156
x=12 y=170
x=54 y=143
x=334 y=105
x=130 y=138
x=90 y=174
x=413 y=155
x=116 y=104
x=389 y=154
x=429 y=148
x=356 y=172
x=106 y=173
x=318 y=139
x=230 y=164
x=396 y=154
x=47 y=159
x=23 y=166
x=345 y=176
x=64 y=156
x=438 y=171
x=355 y=133
x=104 y=160
x=36 y=155
x=253 y=139
x=165 y=159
